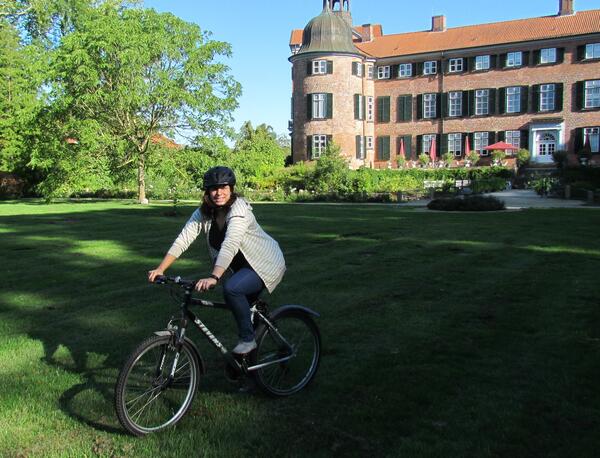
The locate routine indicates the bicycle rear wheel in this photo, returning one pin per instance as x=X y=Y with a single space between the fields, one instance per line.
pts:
x=304 y=353
x=147 y=399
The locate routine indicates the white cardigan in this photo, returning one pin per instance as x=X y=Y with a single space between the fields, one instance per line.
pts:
x=243 y=234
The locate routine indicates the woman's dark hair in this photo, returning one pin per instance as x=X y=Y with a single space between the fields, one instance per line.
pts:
x=209 y=209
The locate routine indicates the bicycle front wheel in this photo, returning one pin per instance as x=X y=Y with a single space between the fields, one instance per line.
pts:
x=147 y=398
x=290 y=353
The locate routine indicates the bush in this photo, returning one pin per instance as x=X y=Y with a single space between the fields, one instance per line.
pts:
x=491 y=184
x=560 y=157
x=424 y=159
x=473 y=157
x=471 y=203
x=11 y=185
x=498 y=155
x=523 y=157
x=545 y=185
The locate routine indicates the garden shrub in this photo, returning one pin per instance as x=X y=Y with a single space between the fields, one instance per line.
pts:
x=11 y=185
x=470 y=203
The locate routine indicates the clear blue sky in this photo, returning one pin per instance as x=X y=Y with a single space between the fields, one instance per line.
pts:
x=259 y=32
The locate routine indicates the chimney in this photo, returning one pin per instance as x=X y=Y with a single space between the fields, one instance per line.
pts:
x=565 y=7
x=366 y=32
x=438 y=23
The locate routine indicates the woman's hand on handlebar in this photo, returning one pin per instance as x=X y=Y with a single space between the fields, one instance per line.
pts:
x=152 y=274
x=205 y=284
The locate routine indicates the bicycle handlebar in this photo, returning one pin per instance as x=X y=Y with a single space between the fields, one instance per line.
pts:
x=164 y=279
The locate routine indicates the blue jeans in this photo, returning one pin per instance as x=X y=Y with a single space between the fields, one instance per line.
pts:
x=239 y=290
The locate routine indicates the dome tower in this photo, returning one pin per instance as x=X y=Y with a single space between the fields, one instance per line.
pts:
x=329 y=84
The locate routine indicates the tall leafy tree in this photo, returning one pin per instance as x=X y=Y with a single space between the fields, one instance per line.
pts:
x=125 y=75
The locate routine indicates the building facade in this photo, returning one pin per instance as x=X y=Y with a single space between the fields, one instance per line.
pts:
x=534 y=83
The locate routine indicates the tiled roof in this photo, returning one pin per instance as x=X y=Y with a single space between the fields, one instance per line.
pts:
x=580 y=23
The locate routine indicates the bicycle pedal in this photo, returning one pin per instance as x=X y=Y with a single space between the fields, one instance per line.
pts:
x=231 y=374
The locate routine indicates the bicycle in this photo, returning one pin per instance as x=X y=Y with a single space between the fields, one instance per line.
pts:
x=158 y=382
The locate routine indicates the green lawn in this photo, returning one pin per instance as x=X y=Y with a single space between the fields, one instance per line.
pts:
x=445 y=335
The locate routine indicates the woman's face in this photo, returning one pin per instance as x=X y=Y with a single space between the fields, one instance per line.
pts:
x=220 y=195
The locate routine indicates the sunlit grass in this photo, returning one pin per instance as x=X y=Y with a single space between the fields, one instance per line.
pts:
x=444 y=334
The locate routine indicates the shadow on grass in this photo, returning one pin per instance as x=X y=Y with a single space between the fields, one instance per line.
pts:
x=429 y=320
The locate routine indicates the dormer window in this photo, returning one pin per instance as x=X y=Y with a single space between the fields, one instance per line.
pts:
x=383 y=72
x=455 y=65
x=514 y=59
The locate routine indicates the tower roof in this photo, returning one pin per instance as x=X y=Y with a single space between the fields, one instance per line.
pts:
x=329 y=32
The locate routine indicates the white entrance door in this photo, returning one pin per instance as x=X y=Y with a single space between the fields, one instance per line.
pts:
x=546 y=145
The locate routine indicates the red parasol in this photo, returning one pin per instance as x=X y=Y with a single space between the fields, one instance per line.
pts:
x=401 y=153
x=432 y=152
x=501 y=146
x=467 y=146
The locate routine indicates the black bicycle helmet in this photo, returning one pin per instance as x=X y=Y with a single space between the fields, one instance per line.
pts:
x=218 y=176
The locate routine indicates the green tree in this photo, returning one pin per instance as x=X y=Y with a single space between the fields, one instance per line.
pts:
x=331 y=174
x=257 y=154
x=127 y=74
x=20 y=70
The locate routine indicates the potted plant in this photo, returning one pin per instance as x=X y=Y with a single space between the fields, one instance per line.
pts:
x=472 y=158
x=523 y=157
x=400 y=161
x=498 y=156
x=424 y=159
x=560 y=157
x=448 y=159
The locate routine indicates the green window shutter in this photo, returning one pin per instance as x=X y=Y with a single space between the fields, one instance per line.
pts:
x=383 y=148
x=393 y=71
x=444 y=144
x=535 y=89
x=364 y=105
x=309 y=106
x=419 y=68
x=558 y=96
x=581 y=52
x=379 y=109
x=309 y=147
x=471 y=102
x=472 y=63
x=355 y=68
x=383 y=109
x=502 y=60
x=491 y=137
x=524 y=99
x=356 y=105
x=419 y=145
x=358 y=153
x=329 y=112
x=493 y=61
x=329 y=67
x=309 y=68
x=578 y=139
x=492 y=101
x=363 y=70
x=524 y=139
x=387 y=110
x=400 y=109
x=466 y=106
x=444 y=108
x=404 y=108
x=407 y=146
x=502 y=100
x=386 y=150
x=467 y=65
x=579 y=94
x=445 y=66
x=329 y=140
x=408 y=106
x=537 y=54
x=501 y=136
x=560 y=55
x=438 y=103
x=420 y=106
x=525 y=58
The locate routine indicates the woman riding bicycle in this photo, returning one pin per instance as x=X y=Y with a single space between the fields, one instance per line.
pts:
x=235 y=242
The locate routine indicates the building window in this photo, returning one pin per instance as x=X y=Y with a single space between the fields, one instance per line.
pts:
x=514 y=59
x=455 y=103
x=383 y=109
x=370 y=71
x=513 y=99
x=592 y=51
x=482 y=63
x=592 y=134
x=513 y=137
x=592 y=94
x=319 y=106
x=427 y=140
x=456 y=65
x=404 y=70
x=369 y=142
x=480 y=141
x=383 y=72
x=548 y=56
x=370 y=108
x=358 y=69
x=482 y=102
x=547 y=97
x=359 y=107
x=360 y=147
x=455 y=144
x=429 y=105
x=319 y=67
x=319 y=143
x=430 y=67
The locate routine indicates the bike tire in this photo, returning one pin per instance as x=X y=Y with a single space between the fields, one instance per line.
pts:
x=287 y=378
x=160 y=404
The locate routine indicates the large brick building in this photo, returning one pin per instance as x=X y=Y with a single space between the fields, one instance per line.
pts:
x=532 y=82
